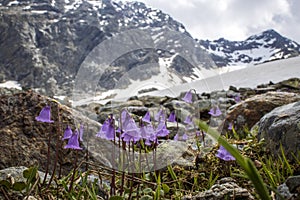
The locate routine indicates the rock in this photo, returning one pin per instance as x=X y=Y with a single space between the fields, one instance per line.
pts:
x=249 y=111
x=24 y=140
x=293 y=183
x=290 y=189
x=226 y=188
x=16 y=174
x=281 y=126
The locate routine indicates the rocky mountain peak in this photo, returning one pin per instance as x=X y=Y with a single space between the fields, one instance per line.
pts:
x=259 y=48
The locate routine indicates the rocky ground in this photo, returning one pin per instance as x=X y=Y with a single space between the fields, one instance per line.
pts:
x=272 y=108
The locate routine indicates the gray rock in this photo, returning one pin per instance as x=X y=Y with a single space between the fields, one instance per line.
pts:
x=281 y=126
x=248 y=112
x=226 y=188
x=15 y=174
x=290 y=189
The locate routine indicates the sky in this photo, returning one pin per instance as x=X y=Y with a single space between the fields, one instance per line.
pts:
x=233 y=19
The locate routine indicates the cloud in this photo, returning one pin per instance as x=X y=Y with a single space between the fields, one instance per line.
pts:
x=233 y=19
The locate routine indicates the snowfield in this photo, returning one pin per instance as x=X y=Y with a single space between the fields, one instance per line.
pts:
x=251 y=76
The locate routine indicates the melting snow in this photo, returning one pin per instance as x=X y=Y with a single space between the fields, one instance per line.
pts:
x=13 y=3
x=39 y=11
x=11 y=84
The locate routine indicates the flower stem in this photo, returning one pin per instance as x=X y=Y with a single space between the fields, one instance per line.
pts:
x=57 y=147
x=74 y=171
x=48 y=159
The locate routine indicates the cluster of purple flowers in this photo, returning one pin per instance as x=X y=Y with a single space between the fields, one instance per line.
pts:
x=129 y=131
x=72 y=137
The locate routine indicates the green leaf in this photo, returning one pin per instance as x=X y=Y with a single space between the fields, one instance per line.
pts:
x=31 y=174
x=146 y=197
x=165 y=188
x=147 y=190
x=116 y=198
x=5 y=183
x=19 y=186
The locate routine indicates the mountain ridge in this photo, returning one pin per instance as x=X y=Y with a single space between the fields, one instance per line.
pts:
x=44 y=43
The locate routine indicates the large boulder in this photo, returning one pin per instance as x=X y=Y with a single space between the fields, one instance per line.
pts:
x=248 y=112
x=24 y=141
x=281 y=127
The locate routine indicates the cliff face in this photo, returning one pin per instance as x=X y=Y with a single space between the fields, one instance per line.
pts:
x=43 y=43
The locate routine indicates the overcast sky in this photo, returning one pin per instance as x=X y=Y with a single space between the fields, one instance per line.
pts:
x=233 y=19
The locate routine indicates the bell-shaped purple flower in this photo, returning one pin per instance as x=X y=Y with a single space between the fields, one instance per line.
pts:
x=179 y=137
x=148 y=143
x=160 y=116
x=45 y=115
x=172 y=117
x=68 y=133
x=188 y=120
x=125 y=118
x=230 y=126
x=215 y=112
x=107 y=130
x=161 y=130
x=147 y=118
x=224 y=154
x=131 y=132
x=188 y=97
x=73 y=142
x=147 y=131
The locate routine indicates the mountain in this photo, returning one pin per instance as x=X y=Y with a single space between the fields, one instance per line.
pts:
x=45 y=43
x=264 y=47
x=88 y=47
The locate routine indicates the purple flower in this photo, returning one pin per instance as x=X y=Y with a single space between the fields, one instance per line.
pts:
x=147 y=132
x=176 y=137
x=68 y=133
x=131 y=132
x=224 y=154
x=125 y=118
x=147 y=118
x=237 y=98
x=188 y=97
x=215 y=112
x=183 y=137
x=188 y=120
x=107 y=130
x=172 y=117
x=161 y=130
x=230 y=126
x=160 y=116
x=45 y=115
x=148 y=143
x=81 y=133
x=73 y=142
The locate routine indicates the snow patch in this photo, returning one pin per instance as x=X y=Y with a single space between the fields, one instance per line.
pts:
x=13 y=3
x=39 y=11
x=11 y=84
